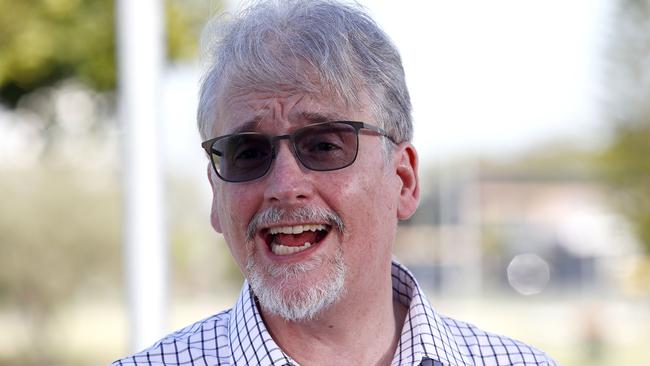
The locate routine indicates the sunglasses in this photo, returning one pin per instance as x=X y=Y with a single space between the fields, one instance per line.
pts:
x=246 y=156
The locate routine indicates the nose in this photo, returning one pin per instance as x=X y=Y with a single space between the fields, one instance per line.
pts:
x=288 y=181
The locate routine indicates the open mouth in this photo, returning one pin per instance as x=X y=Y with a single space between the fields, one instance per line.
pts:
x=286 y=240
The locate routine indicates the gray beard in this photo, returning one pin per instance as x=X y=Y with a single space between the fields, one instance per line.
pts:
x=302 y=302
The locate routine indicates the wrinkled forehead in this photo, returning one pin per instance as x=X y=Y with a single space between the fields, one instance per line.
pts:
x=270 y=107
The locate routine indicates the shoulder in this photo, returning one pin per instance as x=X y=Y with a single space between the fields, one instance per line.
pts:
x=493 y=349
x=206 y=340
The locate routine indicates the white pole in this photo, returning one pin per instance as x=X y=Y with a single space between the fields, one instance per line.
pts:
x=140 y=48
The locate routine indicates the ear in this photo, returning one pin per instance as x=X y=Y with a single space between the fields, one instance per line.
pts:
x=406 y=167
x=214 y=213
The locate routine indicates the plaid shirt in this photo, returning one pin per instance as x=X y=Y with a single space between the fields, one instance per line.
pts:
x=239 y=337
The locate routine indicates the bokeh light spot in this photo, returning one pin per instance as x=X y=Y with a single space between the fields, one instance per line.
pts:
x=528 y=274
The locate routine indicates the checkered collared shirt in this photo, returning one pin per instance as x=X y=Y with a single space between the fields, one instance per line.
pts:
x=239 y=337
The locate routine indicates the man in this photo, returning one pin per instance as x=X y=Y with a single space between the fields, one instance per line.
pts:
x=306 y=120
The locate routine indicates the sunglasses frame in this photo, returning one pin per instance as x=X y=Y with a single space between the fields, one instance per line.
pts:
x=357 y=126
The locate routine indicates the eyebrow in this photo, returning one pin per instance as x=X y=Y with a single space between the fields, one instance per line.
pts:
x=315 y=117
x=249 y=126
x=311 y=118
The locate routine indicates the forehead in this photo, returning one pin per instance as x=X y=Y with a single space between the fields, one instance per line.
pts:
x=271 y=110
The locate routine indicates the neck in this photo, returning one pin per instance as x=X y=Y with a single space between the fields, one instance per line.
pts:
x=360 y=329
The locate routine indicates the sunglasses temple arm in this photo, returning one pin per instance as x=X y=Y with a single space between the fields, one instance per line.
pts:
x=379 y=131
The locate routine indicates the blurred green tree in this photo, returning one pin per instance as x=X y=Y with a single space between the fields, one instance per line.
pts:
x=45 y=41
x=627 y=159
x=60 y=223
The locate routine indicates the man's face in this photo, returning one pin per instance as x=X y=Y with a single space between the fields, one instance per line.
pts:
x=292 y=205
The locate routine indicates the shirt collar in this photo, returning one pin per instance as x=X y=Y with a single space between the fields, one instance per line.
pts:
x=424 y=335
x=250 y=341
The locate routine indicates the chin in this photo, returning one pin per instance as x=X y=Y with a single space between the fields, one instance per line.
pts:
x=298 y=291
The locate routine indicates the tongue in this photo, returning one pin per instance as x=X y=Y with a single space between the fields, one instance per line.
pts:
x=296 y=240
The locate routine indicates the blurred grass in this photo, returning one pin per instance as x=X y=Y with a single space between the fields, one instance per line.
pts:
x=92 y=332
x=574 y=330
x=60 y=239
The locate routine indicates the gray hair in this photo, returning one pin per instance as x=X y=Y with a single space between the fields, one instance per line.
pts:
x=317 y=46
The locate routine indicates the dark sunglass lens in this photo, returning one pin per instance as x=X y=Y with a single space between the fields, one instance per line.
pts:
x=327 y=147
x=242 y=157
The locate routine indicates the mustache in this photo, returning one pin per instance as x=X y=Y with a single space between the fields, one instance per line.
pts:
x=273 y=215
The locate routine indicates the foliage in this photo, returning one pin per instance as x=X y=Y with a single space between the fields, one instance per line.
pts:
x=60 y=217
x=626 y=160
x=628 y=170
x=45 y=41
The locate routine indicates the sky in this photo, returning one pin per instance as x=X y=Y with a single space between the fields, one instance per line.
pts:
x=487 y=78
x=493 y=77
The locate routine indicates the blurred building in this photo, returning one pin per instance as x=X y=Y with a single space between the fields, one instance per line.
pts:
x=480 y=229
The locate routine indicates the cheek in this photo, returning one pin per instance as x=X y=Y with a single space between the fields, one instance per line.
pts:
x=368 y=206
x=371 y=221
x=234 y=220
x=375 y=191
x=232 y=209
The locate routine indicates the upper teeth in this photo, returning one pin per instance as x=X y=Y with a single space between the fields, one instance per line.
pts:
x=295 y=229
